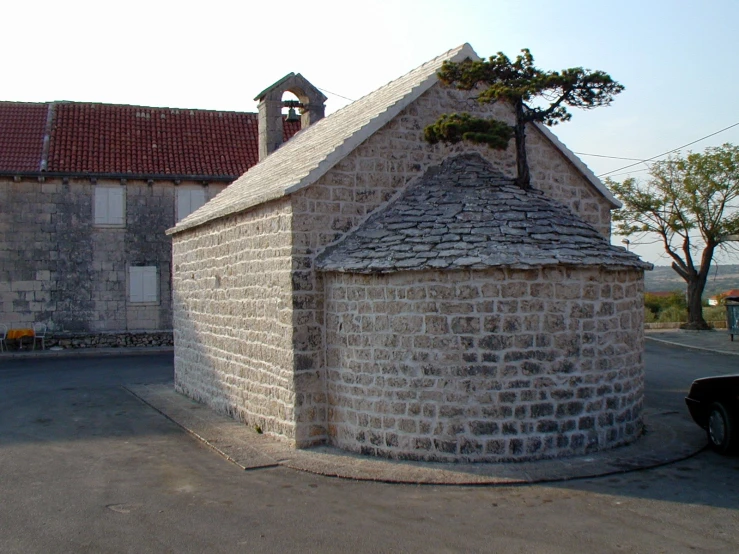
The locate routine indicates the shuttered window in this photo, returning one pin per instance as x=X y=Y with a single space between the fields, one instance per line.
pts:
x=142 y=284
x=189 y=199
x=110 y=205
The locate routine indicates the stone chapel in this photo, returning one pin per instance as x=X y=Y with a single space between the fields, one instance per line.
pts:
x=363 y=289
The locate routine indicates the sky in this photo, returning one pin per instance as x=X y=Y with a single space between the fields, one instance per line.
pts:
x=676 y=58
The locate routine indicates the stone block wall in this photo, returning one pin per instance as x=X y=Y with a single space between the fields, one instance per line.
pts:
x=233 y=317
x=495 y=365
x=59 y=268
x=109 y=339
x=370 y=176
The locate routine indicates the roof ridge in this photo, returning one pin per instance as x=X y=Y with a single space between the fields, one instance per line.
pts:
x=137 y=106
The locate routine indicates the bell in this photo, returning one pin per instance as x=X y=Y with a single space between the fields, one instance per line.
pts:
x=292 y=115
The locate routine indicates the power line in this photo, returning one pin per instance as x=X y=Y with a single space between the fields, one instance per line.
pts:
x=610 y=157
x=334 y=94
x=670 y=151
x=630 y=172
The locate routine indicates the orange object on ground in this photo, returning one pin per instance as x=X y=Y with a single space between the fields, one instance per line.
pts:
x=20 y=333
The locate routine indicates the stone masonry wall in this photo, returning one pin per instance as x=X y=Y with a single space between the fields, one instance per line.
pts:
x=233 y=311
x=59 y=268
x=371 y=175
x=495 y=365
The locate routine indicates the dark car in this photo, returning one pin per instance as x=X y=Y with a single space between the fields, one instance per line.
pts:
x=714 y=405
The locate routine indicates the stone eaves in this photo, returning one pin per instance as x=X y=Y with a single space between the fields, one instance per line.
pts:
x=465 y=214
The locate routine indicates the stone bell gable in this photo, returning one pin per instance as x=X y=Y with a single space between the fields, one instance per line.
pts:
x=253 y=310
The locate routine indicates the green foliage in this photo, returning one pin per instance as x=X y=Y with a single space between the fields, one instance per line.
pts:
x=714 y=313
x=453 y=128
x=674 y=308
x=521 y=81
x=658 y=308
x=518 y=82
x=683 y=195
x=657 y=303
x=673 y=314
x=665 y=309
x=691 y=204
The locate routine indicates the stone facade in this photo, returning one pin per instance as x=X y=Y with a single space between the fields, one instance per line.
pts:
x=109 y=339
x=233 y=317
x=493 y=365
x=370 y=176
x=58 y=267
x=253 y=345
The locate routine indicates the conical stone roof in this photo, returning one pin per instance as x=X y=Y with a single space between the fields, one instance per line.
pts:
x=465 y=214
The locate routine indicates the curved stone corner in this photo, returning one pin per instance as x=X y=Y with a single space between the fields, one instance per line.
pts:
x=484 y=366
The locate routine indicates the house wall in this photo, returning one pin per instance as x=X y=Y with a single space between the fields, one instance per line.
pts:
x=492 y=365
x=366 y=179
x=233 y=317
x=58 y=267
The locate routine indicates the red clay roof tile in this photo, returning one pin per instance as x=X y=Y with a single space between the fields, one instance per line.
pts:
x=22 y=129
x=109 y=138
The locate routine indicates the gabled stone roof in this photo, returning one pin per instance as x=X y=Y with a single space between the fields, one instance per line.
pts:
x=315 y=150
x=304 y=159
x=465 y=214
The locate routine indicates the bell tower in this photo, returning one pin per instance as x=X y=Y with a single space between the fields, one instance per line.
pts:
x=311 y=103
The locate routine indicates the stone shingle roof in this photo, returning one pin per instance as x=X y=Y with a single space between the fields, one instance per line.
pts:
x=137 y=140
x=465 y=214
x=312 y=152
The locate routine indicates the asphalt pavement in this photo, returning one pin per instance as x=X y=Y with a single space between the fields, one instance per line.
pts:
x=86 y=466
x=668 y=436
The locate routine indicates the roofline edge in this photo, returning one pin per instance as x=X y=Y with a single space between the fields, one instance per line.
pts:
x=344 y=149
x=579 y=164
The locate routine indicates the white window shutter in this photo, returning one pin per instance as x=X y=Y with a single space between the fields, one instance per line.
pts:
x=115 y=206
x=197 y=198
x=143 y=284
x=136 y=284
x=149 y=284
x=189 y=200
x=101 y=205
x=183 y=203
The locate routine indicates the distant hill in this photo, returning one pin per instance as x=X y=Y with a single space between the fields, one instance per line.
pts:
x=664 y=278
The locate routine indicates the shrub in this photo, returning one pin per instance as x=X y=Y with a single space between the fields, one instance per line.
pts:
x=657 y=304
x=673 y=313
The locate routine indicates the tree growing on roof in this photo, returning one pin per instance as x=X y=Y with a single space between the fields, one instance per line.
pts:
x=691 y=204
x=518 y=83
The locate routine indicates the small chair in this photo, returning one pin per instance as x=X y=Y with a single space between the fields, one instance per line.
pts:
x=3 y=334
x=39 y=333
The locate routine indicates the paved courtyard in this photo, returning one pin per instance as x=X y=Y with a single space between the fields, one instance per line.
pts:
x=85 y=466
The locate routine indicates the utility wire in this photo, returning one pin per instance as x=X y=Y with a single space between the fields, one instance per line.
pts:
x=610 y=157
x=630 y=172
x=637 y=160
x=334 y=94
x=669 y=152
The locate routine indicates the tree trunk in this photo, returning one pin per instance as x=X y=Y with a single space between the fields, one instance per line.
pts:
x=696 y=284
x=523 y=179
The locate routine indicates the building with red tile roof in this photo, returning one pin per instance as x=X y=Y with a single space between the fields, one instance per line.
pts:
x=74 y=138
x=22 y=134
x=87 y=191
x=719 y=298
